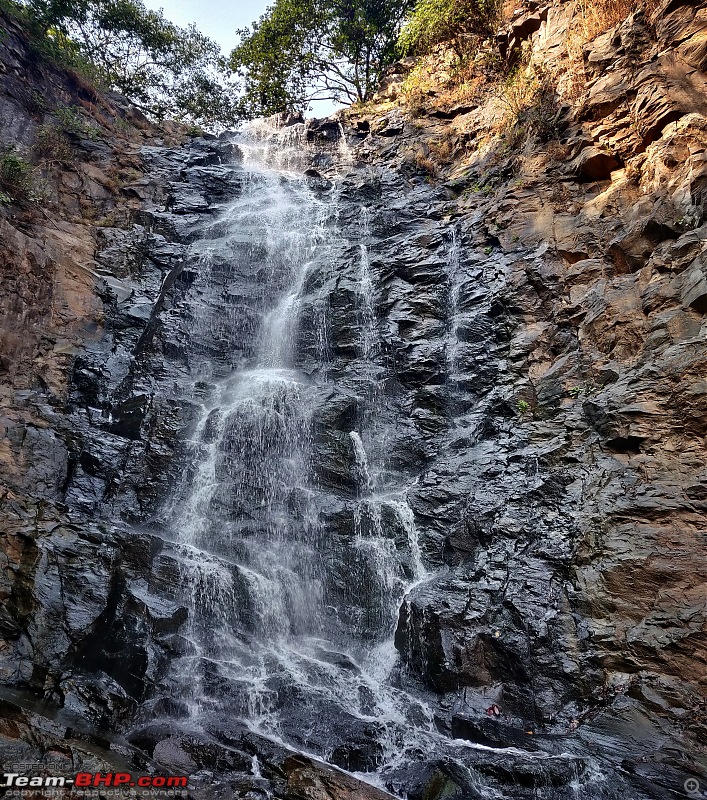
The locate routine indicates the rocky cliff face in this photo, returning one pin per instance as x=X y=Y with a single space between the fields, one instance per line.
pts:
x=522 y=351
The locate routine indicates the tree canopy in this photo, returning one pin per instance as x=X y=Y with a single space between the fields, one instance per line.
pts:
x=297 y=52
x=303 y=50
x=164 y=69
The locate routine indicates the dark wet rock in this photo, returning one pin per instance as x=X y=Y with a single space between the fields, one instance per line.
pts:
x=325 y=130
x=332 y=422
x=307 y=779
x=486 y=730
x=532 y=378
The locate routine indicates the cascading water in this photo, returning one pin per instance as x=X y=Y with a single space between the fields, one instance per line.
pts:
x=276 y=604
x=453 y=277
x=293 y=577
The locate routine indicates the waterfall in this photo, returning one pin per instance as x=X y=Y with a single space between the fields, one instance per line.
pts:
x=366 y=290
x=294 y=539
x=287 y=621
x=453 y=277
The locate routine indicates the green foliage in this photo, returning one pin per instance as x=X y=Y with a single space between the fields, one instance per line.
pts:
x=277 y=57
x=532 y=102
x=56 y=14
x=458 y=23
x=523 y=406
x=15 y=177
x=578 y=391
x=71 y=121
x=166 y=70
x=51 y=143
x=301 y=50
x=14 y=170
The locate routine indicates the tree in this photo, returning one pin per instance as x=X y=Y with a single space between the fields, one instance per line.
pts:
x=165 y=70
x=54 y=14
x=303 y=50
x=169 y=71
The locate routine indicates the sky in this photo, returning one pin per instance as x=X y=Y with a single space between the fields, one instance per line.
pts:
x=219 y=20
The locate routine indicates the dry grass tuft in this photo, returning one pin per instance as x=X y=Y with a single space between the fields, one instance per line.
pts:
x=590 y=19
x=530 y=108
x=442 y=150
x=595 y=17
x=426 y=165
x=441 y=80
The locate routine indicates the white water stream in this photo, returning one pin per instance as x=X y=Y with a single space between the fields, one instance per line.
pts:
x=257 y=563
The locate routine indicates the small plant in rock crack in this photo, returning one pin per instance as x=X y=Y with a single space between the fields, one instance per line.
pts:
x=688 y=222
x=51 y=143
x=523 y=406
x=15 y=176
x=36 y=102
x=578 y=391
x=121 y=126
x=71 y=121
x=483 y=188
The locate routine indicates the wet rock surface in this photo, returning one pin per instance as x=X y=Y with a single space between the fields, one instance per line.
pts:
x=530 y=367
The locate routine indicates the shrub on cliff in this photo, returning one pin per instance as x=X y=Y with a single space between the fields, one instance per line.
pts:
x=533 y=110
x=302 y=50
x=17 y=182
x=456 y=23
